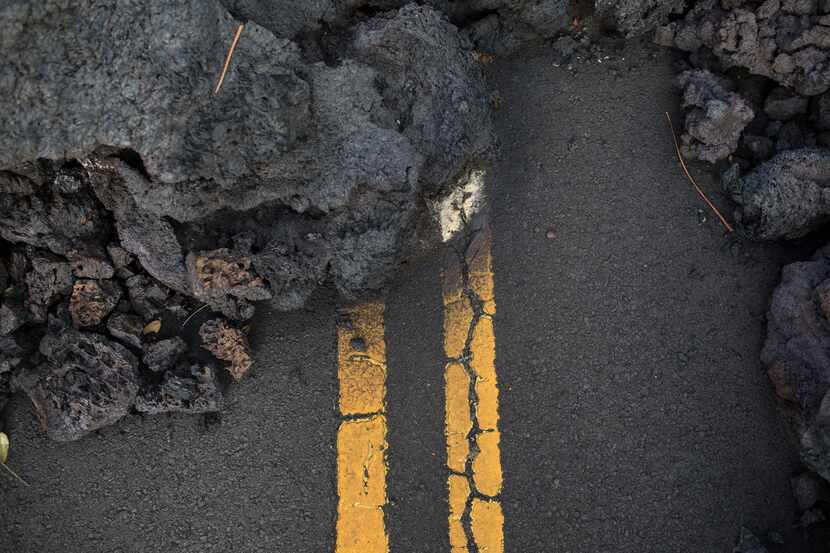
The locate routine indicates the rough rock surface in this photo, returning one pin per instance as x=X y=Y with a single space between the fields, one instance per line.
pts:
x=808 y=490
x=92 y=301
x=47 y=280
x=46 y=208
x=820 y=112
x=227 y=344
x=785 y=197
x=190 y=389
x=14 y=352
x=502 y=26
x=335 y=157
x=635 y=17
x=126 y=328
x=714 y=115
x=87 y=382
x=782 y=104
x=225 y=282
x=796 y=355
x=157 y=197
x=497 y=26
x=785 y=40
x=162 y=355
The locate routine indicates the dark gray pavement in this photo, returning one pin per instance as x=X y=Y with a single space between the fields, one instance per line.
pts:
x=628 y=345
x=634 y=413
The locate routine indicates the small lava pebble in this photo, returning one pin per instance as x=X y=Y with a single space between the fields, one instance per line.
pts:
x=550 y=234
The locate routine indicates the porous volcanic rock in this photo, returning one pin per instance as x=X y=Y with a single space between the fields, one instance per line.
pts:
x=787 y=41
x=45 y=207
x=335 y=157
x=162 y=355
x=227 y=344
x=86 y=382
x=496 y=26
x=635 y=17
x=796 y=354
x=785 y=197
x=189 y=389
x=136 y=194
x=127 y=328
x=714 y=115
x=92 y=301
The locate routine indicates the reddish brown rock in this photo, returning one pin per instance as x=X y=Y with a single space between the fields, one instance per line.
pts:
x=92 y=301
x=228 y=344
x=226 y=282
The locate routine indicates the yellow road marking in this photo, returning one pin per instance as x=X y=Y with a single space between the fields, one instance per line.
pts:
x=488 y=525
x=472 y=401
x=459 y=420
x=483 y=363
x=459 y=494
x=361 y=439
x=487 y=464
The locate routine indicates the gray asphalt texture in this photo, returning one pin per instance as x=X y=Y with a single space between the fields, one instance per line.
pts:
x=635 y=416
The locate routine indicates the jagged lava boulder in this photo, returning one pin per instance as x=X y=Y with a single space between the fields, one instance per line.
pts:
x=335 y=157
x=714 y=118
x=796 y=354
x=785 y=197
x=134 y=193
x=787 y=41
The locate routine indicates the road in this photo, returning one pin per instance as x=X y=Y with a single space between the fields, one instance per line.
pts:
x=627 y=394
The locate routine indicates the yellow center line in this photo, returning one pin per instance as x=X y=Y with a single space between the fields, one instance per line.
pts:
x=472 y=401
x=361 y=439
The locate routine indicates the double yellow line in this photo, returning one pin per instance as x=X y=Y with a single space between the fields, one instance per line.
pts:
x=474 y=481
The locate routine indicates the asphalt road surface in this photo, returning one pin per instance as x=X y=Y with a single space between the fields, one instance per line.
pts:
x=634 y=416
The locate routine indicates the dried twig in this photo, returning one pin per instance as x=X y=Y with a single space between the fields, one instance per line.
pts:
x=187 y=320
x=228 y=58
x=723 y=220
x=14 y=474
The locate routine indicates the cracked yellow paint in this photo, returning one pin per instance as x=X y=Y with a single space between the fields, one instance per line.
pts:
x=487 y=526
x=362 y=360
x=473 y=438
x=487 y=464
x=458 y=316
x=458 y=418
x=361 y=441
x=459 y=490
x=483 y=362
x=480 y=270
x=361 y=463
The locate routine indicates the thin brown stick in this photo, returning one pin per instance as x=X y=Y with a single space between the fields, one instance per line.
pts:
x=228 y=58
x=723 y=220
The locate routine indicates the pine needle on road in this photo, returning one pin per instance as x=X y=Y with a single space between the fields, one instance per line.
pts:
x=700 y=192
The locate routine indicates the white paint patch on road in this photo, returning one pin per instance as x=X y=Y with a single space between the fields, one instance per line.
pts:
x=461 y=204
